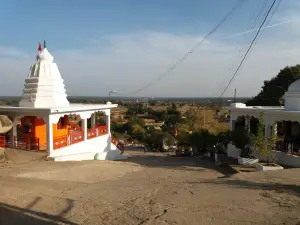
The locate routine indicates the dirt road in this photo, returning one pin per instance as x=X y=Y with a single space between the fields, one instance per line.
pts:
x=145 y=189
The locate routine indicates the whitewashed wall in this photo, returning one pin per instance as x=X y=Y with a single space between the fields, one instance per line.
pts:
x=232 y=151
x=281 y=157
x=86 y=150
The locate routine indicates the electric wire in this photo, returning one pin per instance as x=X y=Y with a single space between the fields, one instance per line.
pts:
x=190 y=52
x=250 y=47
x=242 y=48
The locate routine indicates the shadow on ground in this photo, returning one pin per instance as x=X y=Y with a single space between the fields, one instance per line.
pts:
x=13 y=215
x=291 y=188
x=180 y=163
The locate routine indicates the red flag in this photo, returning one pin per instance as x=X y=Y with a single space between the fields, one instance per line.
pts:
x=40 y=47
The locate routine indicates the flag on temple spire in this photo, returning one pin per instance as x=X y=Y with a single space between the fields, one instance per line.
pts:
x=44 y=44
x=40 y=47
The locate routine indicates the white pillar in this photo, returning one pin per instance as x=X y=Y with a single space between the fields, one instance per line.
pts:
x=93 y=120
x=107 y=116
x=14 y=132
x=49 y=133
x=84 y=128
x=232 y=125
x=267 y=131
x=247 y=124
x=274 y=130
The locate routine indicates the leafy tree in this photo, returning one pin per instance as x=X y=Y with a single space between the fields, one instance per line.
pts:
x=137 y=108
x=152 y=102
x=138 y=132
x=262 y=145
x=191 y=117
x=155 y=140
x=240 y=138
x=200 y=139
x=174 y=106
x=273 y=89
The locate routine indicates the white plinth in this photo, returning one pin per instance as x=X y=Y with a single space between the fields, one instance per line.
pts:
x=260 y=167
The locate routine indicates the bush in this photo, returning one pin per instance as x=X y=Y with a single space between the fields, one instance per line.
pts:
x=240 y=138
x=263 y=146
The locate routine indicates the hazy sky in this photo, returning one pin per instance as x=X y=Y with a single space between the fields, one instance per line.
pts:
x=122 y=45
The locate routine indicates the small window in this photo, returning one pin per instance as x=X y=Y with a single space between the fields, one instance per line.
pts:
x=61 y=123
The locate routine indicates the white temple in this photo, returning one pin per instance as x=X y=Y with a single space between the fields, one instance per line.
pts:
x=285 y=119
x=44 y=86
x=44 y=114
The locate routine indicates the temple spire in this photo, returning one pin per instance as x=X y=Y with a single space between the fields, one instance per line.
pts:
x=44 y=44
x=40 y=47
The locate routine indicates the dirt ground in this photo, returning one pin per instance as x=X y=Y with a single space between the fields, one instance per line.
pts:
x=144 y=189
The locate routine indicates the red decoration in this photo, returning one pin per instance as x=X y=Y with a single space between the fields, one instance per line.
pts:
x=40 y=47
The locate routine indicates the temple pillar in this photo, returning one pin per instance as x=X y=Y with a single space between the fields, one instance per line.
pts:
x=232 y=125
x=93 y=120
x=267 y=131
x=49 y=133
x=107 y=120
x=14 y=132
x=274 y=129
x=84 y=127
x=247 y=124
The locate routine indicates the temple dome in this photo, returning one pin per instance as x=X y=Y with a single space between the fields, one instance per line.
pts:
x=292 y=97
x=44 y=86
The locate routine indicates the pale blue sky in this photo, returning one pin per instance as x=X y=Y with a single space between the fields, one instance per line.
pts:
x=122 y=45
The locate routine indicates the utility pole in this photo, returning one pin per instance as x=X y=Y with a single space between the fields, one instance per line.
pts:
x=234 y=98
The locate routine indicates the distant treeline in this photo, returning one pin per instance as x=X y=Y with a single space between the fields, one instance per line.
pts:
x=10 y=100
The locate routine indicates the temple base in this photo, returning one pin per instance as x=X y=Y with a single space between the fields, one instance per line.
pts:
x=99 y=148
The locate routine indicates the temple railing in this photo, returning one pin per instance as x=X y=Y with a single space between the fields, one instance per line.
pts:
x=91 y=133
x=30 y=143
x=119 y=145
x=58 y=142
x=25 y=143
x=2 y=142
x=78 y=136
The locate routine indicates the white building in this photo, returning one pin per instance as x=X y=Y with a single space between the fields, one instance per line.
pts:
x=286 y=119
x=44 y=111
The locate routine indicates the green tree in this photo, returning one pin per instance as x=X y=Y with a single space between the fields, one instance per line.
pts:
x=273 y=89
x=201 y=139
x=191 y=117
x=138 y=132
x=264 y=146
x=152 y=102
x=156 y=140
x=174 y=106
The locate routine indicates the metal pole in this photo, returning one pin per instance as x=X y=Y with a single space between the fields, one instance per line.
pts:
x=234 y=98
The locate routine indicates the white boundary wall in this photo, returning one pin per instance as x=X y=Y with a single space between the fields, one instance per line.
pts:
x=281 y=157
x=232 y=151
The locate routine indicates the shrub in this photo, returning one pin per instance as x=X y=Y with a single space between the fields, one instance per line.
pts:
x=262 y=145
x=240 y=138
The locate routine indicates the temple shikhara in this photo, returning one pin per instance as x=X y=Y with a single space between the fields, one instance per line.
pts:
x=45 y=120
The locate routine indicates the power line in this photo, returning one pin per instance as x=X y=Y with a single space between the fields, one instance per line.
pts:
x=250 y=47
x=243 y=46
x=192 y=50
